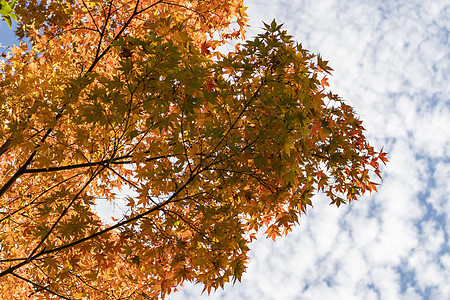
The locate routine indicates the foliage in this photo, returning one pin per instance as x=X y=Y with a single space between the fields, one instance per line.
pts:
x=134 y=96
x=7 y=11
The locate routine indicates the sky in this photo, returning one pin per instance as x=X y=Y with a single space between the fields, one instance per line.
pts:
x=391 y=62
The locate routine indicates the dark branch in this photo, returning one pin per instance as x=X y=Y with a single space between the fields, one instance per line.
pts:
x=115 y=161
x=39 y=286
x=101 y=232
x=63 y=213
x=10 y=214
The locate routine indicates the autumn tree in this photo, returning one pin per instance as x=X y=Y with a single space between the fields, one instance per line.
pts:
x=135 y=99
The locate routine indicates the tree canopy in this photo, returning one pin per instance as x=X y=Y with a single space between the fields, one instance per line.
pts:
x=113 y=99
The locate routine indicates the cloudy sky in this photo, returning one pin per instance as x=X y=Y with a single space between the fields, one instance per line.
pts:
x=391 y=62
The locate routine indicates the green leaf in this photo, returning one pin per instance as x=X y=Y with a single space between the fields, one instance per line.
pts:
x=323 y=64
x=5 y=9
x=8 y=21
x=239 y=269
x=288 y=146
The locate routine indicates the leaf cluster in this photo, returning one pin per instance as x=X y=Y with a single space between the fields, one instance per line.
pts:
x=130 y=102
x=7 y=11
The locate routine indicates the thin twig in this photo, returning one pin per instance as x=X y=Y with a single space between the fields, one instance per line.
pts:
x=39 y=286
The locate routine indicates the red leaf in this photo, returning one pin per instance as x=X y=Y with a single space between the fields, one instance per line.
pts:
x=324 y=82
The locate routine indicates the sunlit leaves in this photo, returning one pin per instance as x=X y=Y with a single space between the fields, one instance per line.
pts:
x=130 y=103
x=7 y=11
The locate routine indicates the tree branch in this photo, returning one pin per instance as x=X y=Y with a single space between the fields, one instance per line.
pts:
x=63 y=213
x=115 y=161
x=5 y=146
x=39 y=286
x=8 y=214
x=22 y=169
x=131 y=220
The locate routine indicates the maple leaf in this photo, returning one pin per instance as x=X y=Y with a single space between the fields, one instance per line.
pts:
x=127 y=102
x=7 y=11
x=382 y=156
x=205 y=48
x=322 y=65
x=324 y=82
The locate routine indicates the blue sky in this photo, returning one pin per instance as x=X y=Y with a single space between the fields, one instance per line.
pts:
x=391 y=61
